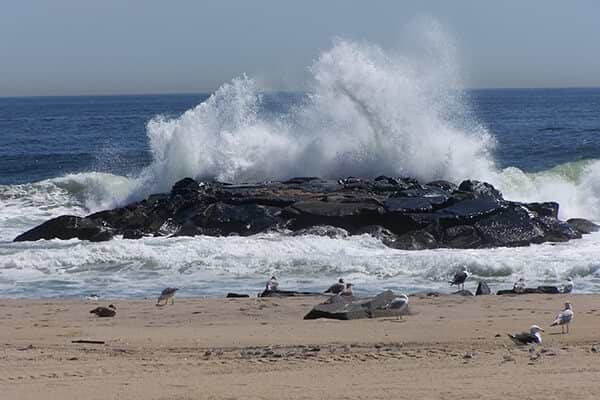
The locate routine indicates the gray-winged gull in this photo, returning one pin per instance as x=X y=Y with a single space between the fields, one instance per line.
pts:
x=460 y=278
x=166 y=295
x=519 y=286
x=398 y=304
x=337 y=287
x=109 y=311
x=532 y=337
x=564 y=318
x=568 y=286
x=272 y=284
x=347 y=290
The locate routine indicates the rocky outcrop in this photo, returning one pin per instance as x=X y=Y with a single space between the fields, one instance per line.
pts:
x=67 y=227
x=402 y=212
x=350 y=307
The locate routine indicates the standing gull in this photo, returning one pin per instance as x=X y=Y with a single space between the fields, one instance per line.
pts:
x=460 y=278
x=568 y=286
x=272 y=284
x=337 y=287
x=564 y=318
x=347 y=290
x=166 y=295
x=398 y=304
x=519 y=286
x=531 y=337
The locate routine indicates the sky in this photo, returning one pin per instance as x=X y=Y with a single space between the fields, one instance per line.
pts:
x=74 y=47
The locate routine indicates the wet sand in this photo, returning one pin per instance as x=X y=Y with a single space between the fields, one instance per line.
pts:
x=450 y=347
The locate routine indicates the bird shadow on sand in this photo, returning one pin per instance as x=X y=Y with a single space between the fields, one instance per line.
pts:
x=556 y=333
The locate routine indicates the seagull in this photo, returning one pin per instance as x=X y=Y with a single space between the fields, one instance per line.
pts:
x=398 y=304
x=347 y=290
x=564 y=318
x=337 y=287
x=519 y=286
x=460 y=278
x=166 y=295
x=272 y=284
x=568 y=286
x=531 y=337
x=109 y=311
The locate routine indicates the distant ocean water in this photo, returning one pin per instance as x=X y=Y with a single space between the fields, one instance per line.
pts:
x=76 y=155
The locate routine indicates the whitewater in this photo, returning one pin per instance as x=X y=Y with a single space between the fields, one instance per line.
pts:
x=366 y=111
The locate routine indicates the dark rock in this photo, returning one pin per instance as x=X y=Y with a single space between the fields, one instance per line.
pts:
x=417 y=240
x=464 y=292
x=407 y=214
x=349 y=307
x=505 y=291
x=512 y=226
x=557 y=231
x=480 y=189
x=67 y=227
x=286 y=293
x=445 y=185
x=133 y=234
x=236 y=295
x=407 y=205
x=246 y=219
x=347 y=215
x=185 y=187
x=482 y=289
x=537 y=290
x=583 y=226
x=469 y=211
x=548 y=209
x=462 y=237
x=548 y=289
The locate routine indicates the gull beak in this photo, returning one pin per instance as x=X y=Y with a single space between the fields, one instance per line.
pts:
x=542 y=330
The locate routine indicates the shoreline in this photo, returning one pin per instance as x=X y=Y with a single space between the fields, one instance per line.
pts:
x=262 y=348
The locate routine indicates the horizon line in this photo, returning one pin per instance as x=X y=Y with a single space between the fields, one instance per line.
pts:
x=141 y=94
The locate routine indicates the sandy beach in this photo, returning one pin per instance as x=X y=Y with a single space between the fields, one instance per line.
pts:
x=450 y=347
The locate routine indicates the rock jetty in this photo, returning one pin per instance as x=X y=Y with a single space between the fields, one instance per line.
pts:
x=402 y=212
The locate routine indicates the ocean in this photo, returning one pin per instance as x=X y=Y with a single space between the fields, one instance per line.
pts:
x=77 y=155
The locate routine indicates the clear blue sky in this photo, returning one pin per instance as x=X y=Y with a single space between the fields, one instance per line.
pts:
x=64 y=47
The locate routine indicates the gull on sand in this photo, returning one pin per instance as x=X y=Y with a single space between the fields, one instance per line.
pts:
x=564 y=318
x=532 y=337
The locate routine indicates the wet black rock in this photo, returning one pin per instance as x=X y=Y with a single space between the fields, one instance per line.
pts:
x=482 y=289
x=287 y=293
x=67 y=227
x=350 y=307
x=583 y=226
x=400 y=211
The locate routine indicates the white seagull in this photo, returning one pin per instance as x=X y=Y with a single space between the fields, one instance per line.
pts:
x=531 y=337
x=568 y=286
x=519 y=286
x=337 y=287
x=460 y=278
x=398 y=304
x=564 y=318
x=347 y=290
x=272 y=284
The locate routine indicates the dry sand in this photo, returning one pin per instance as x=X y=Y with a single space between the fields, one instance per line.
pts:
x=451 y=347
